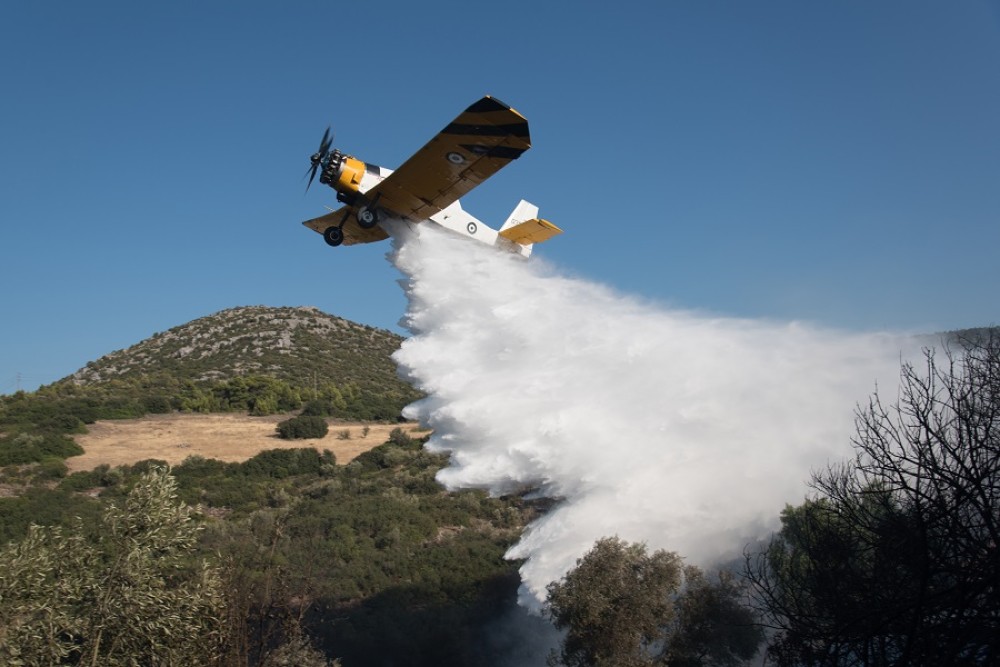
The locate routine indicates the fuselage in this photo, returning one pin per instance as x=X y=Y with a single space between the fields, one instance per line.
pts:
x=453 y=217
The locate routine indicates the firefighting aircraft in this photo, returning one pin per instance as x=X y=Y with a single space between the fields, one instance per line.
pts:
x=476 y=145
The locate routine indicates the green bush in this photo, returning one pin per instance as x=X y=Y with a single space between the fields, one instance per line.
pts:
x=303 y=427
x=33 y=448
x=44 y=507
x=281 y=463
x=82 y=480
x=51 y=468
x=318 y=408
x=157 y=405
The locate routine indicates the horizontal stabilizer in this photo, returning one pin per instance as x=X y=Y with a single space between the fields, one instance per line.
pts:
x=535 y=230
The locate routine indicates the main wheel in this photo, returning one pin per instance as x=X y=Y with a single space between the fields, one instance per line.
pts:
x=333 y=236
x=367 y=217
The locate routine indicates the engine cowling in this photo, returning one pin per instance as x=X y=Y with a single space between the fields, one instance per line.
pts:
x=344 y=174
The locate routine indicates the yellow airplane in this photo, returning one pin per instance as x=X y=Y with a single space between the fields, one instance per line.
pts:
x=476 y=145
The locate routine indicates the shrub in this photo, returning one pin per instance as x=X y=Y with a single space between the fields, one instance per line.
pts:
x=157 y=404
x=281 y=463
x=302 y=427
x=50 y=468
x=400 y=438
x=32 y=448
x=318 y=408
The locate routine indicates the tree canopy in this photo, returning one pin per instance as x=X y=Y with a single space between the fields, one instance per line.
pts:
x=127 y=596
x=624 y=607
x=895 y=562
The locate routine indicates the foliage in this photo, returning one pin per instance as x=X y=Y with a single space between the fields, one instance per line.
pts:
x=45 y=507
x=32 y=448
x=302 y=427
x=378 y=560
x=714 y=626
x=126 y=596
x=622 y=606
x=319 y=407
x=281 y=463
x=297 y=651
x=615 y=606
x=372 y=562
x=101 y=476
x=256 y=359
x=896 y=561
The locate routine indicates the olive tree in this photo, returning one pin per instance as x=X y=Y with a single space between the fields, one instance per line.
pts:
x=130 y=595
x=615 y=606
x=624 y=607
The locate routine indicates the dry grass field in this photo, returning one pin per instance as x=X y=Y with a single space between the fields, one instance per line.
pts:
x=227 y=437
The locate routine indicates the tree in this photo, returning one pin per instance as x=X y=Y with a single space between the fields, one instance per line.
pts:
x=129 y=595
x=896 y=561
x=615 y=605
x=622 y=606
x=714 y=626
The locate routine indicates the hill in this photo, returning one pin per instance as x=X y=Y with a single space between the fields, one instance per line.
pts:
x=257 y=360
x=303 y=346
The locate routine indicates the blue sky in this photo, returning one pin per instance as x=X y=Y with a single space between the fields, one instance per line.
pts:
x=834 y=162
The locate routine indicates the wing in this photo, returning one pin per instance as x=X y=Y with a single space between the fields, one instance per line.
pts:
x=353 y=232
x=476 y=145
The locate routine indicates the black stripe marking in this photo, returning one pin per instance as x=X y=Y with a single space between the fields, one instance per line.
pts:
x=488 y=104
x=514 y=129
x=505 y=152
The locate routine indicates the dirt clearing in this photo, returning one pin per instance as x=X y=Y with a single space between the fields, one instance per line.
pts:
x=227 y=437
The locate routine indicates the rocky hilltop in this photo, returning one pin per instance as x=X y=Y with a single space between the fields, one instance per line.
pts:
x=303 y=346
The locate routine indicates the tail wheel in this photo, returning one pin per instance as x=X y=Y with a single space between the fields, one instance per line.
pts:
x=367 y=217
x=333 y=236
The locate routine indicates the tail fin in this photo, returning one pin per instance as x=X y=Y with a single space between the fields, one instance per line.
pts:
x=523 y=211
x=523 y=229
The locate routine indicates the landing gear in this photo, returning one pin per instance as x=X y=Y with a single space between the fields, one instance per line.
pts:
x=333 y=236
x=367 y=217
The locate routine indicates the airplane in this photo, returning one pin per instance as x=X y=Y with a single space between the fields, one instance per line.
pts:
x=483 y=139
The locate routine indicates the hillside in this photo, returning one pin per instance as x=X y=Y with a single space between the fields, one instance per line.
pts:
x=302 y=346
x=255 y=360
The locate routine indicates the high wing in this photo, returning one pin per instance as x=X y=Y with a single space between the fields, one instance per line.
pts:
x=473 y=147
x=353 y=232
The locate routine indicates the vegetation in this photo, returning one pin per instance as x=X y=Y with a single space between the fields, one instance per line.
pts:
x=302 y=427
x=615 y=605
x=127 y=595
x=895 y=562
x=293 y=558
x=36 y=447
x=316 y=559
x=303 y=348
x=624 y=606
x=256 y=360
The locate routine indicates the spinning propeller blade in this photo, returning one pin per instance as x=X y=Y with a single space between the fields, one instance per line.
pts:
x=319 y=157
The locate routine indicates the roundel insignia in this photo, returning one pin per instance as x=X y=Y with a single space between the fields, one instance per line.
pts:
x=456 y=158
x=471 y=227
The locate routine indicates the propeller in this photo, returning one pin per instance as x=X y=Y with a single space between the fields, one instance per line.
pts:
x=320 y=157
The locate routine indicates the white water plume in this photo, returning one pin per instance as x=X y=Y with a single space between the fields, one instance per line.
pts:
x=685 y=431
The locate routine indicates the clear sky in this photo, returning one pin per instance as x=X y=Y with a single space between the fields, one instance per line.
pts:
x=832 y=162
